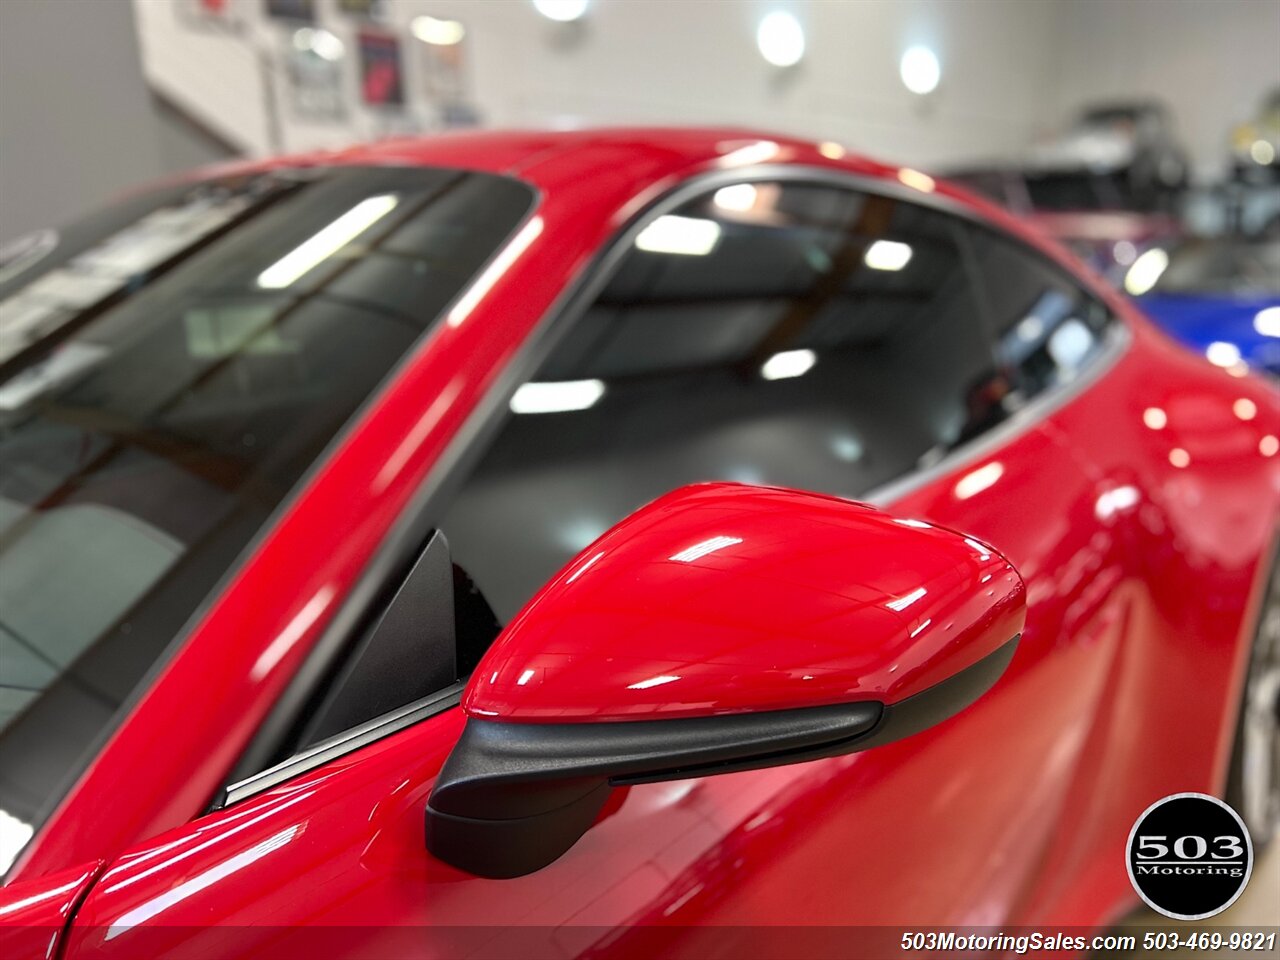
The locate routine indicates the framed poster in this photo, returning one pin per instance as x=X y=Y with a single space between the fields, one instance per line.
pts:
x=381 y=75
x=205 y=14
x=363 y=9
x=314 y=76
x=299 y=11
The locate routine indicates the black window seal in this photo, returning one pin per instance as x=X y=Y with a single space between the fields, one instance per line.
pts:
x=423 y=513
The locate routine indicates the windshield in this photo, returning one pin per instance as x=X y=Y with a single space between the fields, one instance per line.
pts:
x=1224 y=266
x=169 y=369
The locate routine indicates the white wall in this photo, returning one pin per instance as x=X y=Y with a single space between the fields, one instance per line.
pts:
x=75 y=120
x=1210 y=60
x=662 y=61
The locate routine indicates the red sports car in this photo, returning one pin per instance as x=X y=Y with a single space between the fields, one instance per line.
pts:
x=332 y=617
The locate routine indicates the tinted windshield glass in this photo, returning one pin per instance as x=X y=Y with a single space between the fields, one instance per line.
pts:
x=1224 y=266
x=168 y=371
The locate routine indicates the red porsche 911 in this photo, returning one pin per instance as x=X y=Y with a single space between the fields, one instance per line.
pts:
x=450 y=547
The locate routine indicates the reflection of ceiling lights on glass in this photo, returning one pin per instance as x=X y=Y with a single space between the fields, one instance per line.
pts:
x=887 y=255
x=1155 y=418
x=441 y=33
x=831 y=150
x=846 y=447
x=562 y=11
x=1267 y=322
x=920 y=70
x=687 y=236
x=789 y=363
x=1146 y=270
x=557 y=397
x=320 y=42
x=327 y=242
x=738 y=197
x=1222 y=354
x=1179 y=457
x=1268 y=445
x=1244 y=408
x=780 y=39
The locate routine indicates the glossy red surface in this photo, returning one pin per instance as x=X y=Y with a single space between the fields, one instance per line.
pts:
x=724 y=598
x=1142 y=584
x=34 y=914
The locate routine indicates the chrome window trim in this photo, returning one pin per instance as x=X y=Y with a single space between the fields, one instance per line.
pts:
x=343 y=743
x=484 y=420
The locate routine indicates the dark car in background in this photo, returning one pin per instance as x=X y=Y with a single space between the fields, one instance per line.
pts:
x=1107 y=186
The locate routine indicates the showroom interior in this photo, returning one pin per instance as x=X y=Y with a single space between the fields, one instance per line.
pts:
x=1139 y=140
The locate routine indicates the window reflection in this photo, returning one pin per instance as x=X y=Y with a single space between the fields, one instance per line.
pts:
x=791 y=334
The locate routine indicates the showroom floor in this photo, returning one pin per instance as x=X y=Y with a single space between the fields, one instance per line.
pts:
x=1258 y=907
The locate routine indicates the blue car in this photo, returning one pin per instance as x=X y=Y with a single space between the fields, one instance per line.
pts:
x=1220 y=297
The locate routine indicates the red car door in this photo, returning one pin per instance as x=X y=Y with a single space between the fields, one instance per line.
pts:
x=857 y=376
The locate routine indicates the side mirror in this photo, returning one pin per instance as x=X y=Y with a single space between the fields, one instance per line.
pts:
x=721 y=628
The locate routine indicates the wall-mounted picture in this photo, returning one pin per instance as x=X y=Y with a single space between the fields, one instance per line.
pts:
x=204 y=13
x=381 y=74
x=300 y=11
x=312 y=60
x=363 y=9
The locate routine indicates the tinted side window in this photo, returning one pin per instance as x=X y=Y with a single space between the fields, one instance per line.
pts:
x=1047 y=328
x=785 y=334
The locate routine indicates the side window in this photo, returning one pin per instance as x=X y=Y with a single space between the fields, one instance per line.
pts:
x=1047 y=329
x=791 y=334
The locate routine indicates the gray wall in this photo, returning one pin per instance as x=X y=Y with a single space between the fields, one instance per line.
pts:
x=77 y=124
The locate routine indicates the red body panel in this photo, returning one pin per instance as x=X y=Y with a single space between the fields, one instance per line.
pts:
x=741 y=598
x=1123 y=688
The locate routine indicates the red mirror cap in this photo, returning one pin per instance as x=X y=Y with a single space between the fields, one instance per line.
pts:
x=726 y=598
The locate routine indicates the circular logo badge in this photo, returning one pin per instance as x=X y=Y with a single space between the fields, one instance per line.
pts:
x=1189 y=856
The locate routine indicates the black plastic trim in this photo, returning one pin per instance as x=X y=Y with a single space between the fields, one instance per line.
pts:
x=513 y=797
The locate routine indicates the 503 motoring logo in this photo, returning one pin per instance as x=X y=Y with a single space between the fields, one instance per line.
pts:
x=1189 y=856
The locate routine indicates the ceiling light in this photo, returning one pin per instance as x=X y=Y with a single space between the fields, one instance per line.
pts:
x=440 y=33
x=920 y=70
x=687 y=236
x=562 y=11
x=887 y=255
x=780 y=39
x=1222 y=354
x=557 y=397
x=788 y=364
x=1267 y=322
x=1146 y=270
